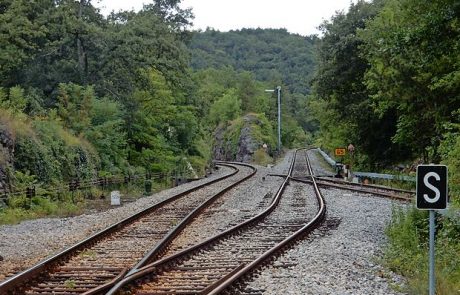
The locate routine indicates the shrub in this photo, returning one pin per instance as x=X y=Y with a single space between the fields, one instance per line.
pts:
x=262 y=158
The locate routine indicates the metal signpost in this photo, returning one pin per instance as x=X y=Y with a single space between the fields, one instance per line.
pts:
x=431 y=195
x=278 y=90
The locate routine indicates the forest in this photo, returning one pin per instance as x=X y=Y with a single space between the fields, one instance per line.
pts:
x=83 y=95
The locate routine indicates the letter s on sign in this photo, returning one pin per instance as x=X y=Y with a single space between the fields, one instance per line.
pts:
x=431 y=187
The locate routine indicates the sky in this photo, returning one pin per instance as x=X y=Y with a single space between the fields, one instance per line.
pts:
x=297 y=16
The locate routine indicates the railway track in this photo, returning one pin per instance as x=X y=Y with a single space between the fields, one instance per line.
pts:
x=213 y=265
x=108 y=255
x=378 y=190
x=387 y=192
x=392 y=193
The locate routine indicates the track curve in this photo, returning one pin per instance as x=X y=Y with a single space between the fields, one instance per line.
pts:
x=213 y=264
x=107 y=255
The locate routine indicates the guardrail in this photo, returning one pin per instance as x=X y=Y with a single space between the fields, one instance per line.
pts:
x=368 y=174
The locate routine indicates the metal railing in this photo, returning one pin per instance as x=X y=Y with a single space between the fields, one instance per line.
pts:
x=76 y=184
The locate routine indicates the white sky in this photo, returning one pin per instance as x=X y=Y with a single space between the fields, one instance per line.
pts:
x=297 y=16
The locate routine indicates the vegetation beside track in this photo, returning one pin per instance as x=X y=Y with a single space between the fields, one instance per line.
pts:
x=407 y=251
x=388 y=81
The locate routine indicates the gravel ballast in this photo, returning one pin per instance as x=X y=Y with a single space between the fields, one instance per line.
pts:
x=341 y=256
x=236 y=206
x=25 y=244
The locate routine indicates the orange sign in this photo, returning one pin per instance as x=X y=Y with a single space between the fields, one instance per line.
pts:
x=340 y=151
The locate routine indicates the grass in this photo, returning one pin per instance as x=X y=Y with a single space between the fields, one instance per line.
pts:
x=71 y=284
x=262 y=158
x=88 y=253
x=407 y=251
x=38 y=207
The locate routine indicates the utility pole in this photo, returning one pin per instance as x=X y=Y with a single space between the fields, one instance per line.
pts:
x=279 y=119
x=278 y=89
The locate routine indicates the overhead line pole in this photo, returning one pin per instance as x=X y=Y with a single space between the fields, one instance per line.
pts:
x=278 y=89
x=279 y=119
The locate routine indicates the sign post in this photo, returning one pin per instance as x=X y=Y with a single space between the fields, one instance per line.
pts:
x=431 y=195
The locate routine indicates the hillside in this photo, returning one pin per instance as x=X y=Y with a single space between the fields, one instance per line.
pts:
x=272 y=55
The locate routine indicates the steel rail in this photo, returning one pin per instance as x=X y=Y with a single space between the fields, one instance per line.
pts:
x=360 y=190
x=301 y=232
x=398 y=190
x=355 y=187
x=148 y=269
x=24 y=277
x=157 y=250
x=174 y=232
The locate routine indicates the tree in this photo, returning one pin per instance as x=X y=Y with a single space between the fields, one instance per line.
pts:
x=271 y=55
x=107 y=135
x=74 y=106
x=226 y=108
x=412 y=48
x=22 y=33
x=342 y=95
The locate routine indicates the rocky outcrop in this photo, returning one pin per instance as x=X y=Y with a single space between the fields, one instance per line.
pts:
x=222 y=147
x=247 y=144
x=240 y=139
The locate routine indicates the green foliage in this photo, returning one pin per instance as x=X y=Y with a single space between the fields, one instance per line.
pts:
x=16 y=101
x=232 y=136
x=74 y=106
x=272 y=55
x=256 y=125
x=83 y=95
x=226 y=108
x=407 y=251
x=20 y=208
x=261 y=130
x=292 y=135
x=52 y=154
x=149 y=124
x=344 y=108
x=107 y=135
x=412 y=48
x=22 y=27
x=262 y=158
x=449 y=151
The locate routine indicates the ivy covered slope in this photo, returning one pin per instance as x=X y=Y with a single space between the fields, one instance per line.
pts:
x=388 y=80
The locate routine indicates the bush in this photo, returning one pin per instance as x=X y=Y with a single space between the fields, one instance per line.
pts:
x=262 y=158
x=21 y=208
x=54 y=155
